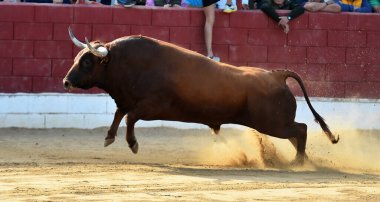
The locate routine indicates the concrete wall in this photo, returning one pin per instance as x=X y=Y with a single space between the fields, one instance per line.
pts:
x=57 y=110
x=338 y=55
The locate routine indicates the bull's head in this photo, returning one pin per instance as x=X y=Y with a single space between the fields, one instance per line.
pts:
x=88 y=68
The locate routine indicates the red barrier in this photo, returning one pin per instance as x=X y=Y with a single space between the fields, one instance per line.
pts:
x=338 y=55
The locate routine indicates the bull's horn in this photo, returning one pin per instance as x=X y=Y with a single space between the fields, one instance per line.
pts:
x=99 y=52
x=75 y=40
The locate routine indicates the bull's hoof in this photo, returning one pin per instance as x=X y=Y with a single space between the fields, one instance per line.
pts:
x=135 y=148
x=297 y=163
x=108 y=141
x=299 y=160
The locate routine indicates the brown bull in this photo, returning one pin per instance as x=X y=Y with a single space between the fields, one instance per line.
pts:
x=155 y=80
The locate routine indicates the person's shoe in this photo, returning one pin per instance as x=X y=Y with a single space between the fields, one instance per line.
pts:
x=215 y=58
x=230 y=9
x=129 y=3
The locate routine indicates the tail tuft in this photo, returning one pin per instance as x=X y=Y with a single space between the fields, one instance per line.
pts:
x=334 y=141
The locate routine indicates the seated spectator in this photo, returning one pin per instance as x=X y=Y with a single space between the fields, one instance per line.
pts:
x=375 y=5
x=270 y=6
x=321 y=5
x=361 y=6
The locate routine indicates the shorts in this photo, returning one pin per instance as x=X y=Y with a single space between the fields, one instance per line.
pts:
x=208 y=2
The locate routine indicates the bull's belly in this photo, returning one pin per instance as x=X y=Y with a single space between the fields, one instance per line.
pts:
x=203 y=115
x=260 y=119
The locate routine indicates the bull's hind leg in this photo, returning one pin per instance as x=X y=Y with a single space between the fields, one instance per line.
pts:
x=294 y=143
x=297 y=132
x=110 y=138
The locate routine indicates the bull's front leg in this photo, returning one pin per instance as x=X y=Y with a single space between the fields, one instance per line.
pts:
x=130 y=136
x=119 y=114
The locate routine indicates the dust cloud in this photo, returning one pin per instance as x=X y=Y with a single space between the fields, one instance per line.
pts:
x=358 y=151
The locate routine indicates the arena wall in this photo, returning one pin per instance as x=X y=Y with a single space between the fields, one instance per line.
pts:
x=338 y=56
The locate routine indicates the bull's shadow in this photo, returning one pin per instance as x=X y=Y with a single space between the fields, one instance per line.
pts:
x=224 y=174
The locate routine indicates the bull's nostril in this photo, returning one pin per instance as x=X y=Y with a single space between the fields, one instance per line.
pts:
x=66 y=84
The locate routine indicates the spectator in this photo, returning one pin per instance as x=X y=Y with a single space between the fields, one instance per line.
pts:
x=167 y=3
x=321 y=5
x=209 y=12
x=181 y=3
x=90 y=2
x=270 y=6
x=130 y=3
x=375 y=5
x=49 y=1
x=251 y=4
x=228 y=6
x=361 y=6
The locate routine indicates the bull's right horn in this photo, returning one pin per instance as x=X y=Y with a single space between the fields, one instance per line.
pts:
x=75 y=40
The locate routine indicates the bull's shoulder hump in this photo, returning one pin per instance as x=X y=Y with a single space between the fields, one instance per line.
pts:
x=135 y=38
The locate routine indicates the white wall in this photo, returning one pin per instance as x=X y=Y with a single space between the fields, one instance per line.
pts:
x=57 y=110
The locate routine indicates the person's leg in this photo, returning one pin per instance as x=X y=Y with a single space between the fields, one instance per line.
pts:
x=209 y=12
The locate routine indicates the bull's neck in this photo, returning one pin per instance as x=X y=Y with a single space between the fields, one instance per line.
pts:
x=115 y=89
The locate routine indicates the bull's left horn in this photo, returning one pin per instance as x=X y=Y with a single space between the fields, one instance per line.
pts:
x=99 y=52
x=75 y=40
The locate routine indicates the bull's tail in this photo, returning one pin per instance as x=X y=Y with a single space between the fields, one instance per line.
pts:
x=318 y=118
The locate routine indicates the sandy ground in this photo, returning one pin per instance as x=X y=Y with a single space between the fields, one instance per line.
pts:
x=185 y=165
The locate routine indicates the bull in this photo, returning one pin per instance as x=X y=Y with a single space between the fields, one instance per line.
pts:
x=151 y=79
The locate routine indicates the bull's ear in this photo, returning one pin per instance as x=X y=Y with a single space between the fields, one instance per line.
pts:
x=104 y=60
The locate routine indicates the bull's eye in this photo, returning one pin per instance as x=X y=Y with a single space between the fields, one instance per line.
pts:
x=86 y=63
